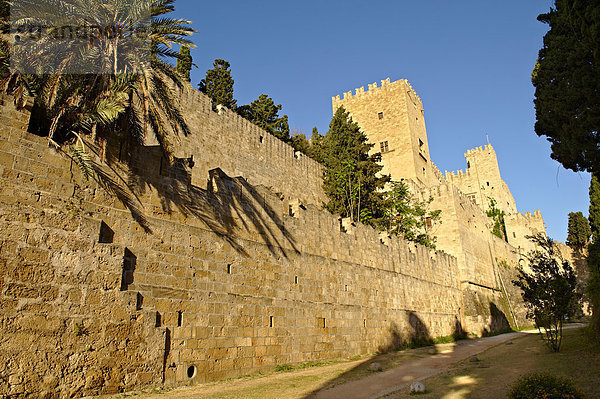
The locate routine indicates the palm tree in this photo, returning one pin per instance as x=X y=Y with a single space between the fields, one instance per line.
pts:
x=97 y=68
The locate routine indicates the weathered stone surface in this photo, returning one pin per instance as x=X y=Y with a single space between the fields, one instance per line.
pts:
x=234 y=278
x=417 y=387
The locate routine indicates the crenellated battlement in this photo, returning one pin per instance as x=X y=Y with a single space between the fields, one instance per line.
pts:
x=457 y=175
x=477 y=150
x=373 y=88
x=537 y=214
x=228 y=141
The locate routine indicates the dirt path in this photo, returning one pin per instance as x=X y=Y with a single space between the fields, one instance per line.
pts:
x=384 y=383
x=347 y=380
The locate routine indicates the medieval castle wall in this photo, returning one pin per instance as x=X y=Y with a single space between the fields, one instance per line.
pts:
x=229 y=278
x=463 y=196
x=227 y=141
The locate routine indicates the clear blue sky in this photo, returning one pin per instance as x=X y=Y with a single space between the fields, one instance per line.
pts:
x=469 y=61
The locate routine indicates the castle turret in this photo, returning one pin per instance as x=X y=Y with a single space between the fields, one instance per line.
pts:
x=482 y=182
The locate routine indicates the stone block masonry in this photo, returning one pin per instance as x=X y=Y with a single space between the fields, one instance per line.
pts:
x=233 y=278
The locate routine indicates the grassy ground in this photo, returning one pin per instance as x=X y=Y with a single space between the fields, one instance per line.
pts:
x=501 y=366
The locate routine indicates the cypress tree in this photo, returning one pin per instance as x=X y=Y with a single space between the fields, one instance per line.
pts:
x=593 y=288
x=350 y=179
x=316 y=146
x=218 y=84
x=567 y=82
x=579 y=231
x=184 y=63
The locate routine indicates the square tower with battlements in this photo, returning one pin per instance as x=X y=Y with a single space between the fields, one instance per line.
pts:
x=392 y=117
x=482 y=182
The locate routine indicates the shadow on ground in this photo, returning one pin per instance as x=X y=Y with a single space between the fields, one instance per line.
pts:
x=389 y=356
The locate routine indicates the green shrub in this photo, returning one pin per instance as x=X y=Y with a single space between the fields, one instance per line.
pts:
x=539 y=385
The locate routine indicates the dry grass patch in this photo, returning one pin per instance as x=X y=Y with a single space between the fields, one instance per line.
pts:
x=501 y=366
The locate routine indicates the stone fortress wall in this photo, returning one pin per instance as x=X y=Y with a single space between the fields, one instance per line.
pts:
x=240 y=269
x=393 y=113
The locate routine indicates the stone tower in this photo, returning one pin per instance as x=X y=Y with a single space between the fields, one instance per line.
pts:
x=392 y=116
x=482 y=181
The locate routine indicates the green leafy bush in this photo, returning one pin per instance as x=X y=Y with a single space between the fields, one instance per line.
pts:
x=539 y=385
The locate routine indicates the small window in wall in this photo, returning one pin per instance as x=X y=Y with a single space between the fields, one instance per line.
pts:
x=179 y=318
x=365 y=323
x=271 y=320
x=488 y=183
x=228 y=269
x=261 y=138
x=468 y=165
x=346 y=288
x=295 y=279
x=380 y=115
x=514 y=235
x=384 y=146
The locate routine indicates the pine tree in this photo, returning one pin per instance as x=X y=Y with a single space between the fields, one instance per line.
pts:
x=265 y=114
x=184 y=63
x=579 y=231
x=218 y=85
x=350 y=179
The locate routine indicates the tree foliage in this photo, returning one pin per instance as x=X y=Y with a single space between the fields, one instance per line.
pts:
x=265 y=114
x=543 y=385
x=499 y=228
x=593 y=287
x=407 y=217
x=185 y=63
x=316 y=146
x=356 y=190
x=594 y=211
x=86 y=91
x=549 y=291
x=300 y=143
x=218 y=84
x=567 y=82
x=579 y=231
x=350 y=178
